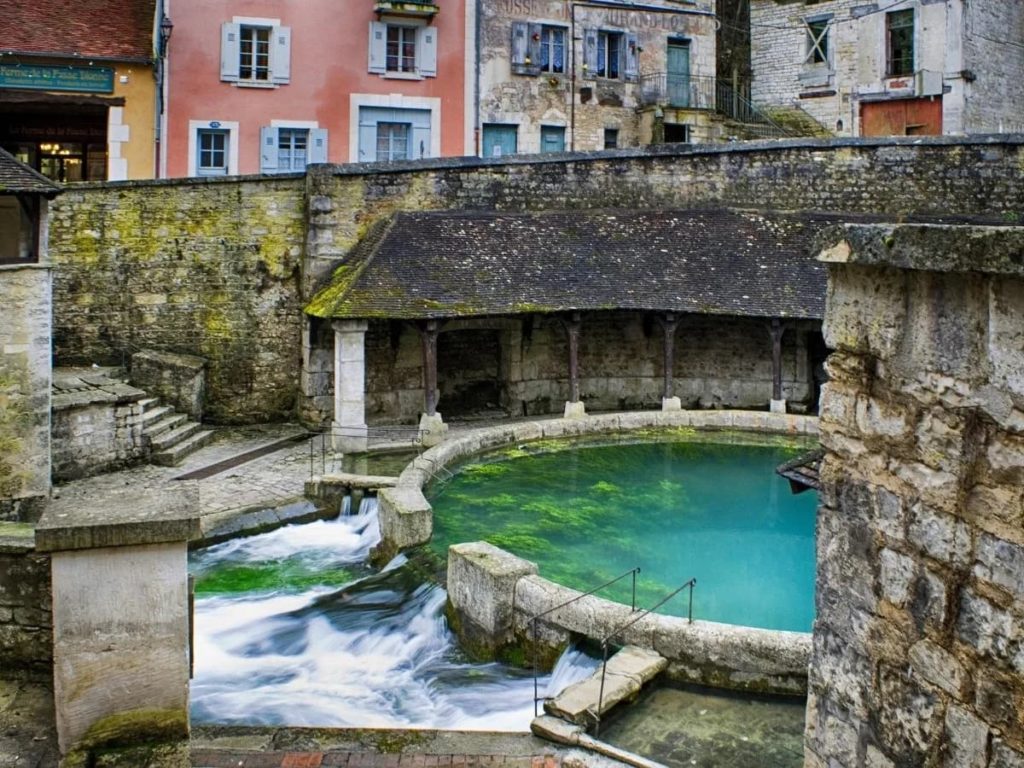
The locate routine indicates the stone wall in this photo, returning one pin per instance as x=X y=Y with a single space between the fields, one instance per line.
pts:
x=994 y=98
x=95 y=437
x=25 y=296
x=202 y=268
x=919 y=639
x=521 y=366
x=26 y=635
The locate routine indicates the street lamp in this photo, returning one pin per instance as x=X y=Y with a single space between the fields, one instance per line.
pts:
x=166 y=27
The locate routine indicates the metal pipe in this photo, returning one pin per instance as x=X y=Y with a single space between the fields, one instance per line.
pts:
x=600 y=694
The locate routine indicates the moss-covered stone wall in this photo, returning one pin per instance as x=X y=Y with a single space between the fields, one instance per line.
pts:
x=203 y=268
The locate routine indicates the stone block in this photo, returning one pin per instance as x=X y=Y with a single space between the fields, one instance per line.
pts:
x=986 y=627
x=575 y=410
x=179 y=380
x=1000 y=562
x=432 y=429
x=1003 y=756
x=895 y=576
x=930 y=601
x=1005 y=456
x=939 y=536
x=1006 y=334
x=671 y=404
x=878 y=418
x=908 y=716
x=966 y=739
x=889 y=514
x=939 y=667
x=776 y=406
x=406 y=520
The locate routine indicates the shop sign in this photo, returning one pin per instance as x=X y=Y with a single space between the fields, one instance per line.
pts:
x=41 y=78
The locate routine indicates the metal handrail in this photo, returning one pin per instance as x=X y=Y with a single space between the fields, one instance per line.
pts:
x=604 y=643
x=414 y=435
x=533 y=620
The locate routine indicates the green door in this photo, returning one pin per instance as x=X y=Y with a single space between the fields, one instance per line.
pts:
x=499 y=140
x=678 y=76
x=552 y=138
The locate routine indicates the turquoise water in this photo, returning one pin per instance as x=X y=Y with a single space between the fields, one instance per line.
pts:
x=714 y=511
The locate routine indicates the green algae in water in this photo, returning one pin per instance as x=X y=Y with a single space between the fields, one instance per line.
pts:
x=266 y=577
x=714 y=511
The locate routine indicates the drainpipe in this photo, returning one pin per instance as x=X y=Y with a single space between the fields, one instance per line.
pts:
x=477 y=128
x=572 y=78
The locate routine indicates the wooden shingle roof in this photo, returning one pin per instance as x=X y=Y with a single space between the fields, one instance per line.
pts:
x=458 y=264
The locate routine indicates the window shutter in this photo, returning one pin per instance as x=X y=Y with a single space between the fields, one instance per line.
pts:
x=419 y=143
x=229 y=53
x=426 y=49
x=590 y=53
x=318 y=145
x=268 y=149
x=533 y=49
x=280 y=54
x=520 y=39
x=378 y=47
x=631 y=66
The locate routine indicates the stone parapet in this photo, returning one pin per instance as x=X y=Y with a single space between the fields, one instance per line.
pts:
x=920 y=583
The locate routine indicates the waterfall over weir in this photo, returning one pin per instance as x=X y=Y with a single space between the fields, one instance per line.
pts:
x=293 y=628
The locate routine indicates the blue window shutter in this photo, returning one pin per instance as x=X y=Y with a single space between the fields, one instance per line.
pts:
x=318 y=145
x=533 y=48
x=590 y=53
x=427 y=51
x=268 y=149
x=631 y=67
x=520 y=46
x=280 y=54
x=378 y=47
x=229 y=53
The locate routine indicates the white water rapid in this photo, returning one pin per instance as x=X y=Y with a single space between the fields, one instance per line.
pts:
x=374 y=652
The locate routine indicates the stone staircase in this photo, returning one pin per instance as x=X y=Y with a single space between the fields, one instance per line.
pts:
x=170 y=436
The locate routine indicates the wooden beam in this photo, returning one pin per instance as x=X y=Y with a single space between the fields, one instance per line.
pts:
x=428 y=334
x=669 y=322
x=572 y=328
x=776 y=331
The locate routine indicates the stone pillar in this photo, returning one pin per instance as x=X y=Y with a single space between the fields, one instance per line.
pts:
x=119 y=576
x=349 y=434
x=776 y=331
x=432 y=426
x=574 y=408
x=669 y=323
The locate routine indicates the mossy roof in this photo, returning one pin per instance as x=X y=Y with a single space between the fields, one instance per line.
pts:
x=469 y=263
x=18 y=178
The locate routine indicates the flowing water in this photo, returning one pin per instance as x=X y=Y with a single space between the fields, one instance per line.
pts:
x=584 y=514
x=293 y=628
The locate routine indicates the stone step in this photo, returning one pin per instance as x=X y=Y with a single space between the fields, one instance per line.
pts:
x=174 y=436
x=169 y=422
x=149 y=402
x=174 y=454
x=625 y=674
x=155 y=413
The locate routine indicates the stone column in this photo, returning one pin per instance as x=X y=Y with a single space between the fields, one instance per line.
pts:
x=349 y=433
x=776 y=331
x=574 y=408
x=119 y=575
x=669 y=323
x=432 y=426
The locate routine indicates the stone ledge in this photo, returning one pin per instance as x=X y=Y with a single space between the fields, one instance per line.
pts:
x=16 y=538
x=127 y=517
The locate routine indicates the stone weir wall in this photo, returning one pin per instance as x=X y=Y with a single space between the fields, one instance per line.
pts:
x=26 y=623
x=203 y=268
x=918 y=652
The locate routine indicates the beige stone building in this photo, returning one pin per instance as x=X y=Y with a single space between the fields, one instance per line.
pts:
x=909 y=67
x=556 y=75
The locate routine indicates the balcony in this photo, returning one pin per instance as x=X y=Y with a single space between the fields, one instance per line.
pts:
x=417 y=8
x=668 y=89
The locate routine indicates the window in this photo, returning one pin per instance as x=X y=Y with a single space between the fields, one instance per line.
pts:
x=255 y=54
x=552 y=50
x=609 y=53
x=292 y=144
x=611 y=138
x=392 y=141
x=899 y=27
x=285 y=149
x=552 y=138
x=401 y=49
x=500 y=140
x=817 y=42
x=212 y=152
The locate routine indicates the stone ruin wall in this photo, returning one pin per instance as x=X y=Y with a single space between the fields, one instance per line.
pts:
x=918 y=653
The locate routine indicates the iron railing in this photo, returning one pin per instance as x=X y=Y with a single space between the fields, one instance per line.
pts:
x=322 y=443
x=618 y=630
x=535 y=619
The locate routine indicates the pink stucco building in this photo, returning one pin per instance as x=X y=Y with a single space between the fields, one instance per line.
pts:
x=271 y=85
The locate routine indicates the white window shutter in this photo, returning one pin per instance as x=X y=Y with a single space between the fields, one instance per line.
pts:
x=280 y=54
x=426 y=49
x=632 y=58
x=229 y=51
x=378 y=47
x=268 y=149
x=520 y=44
x=318 y=145
x=590 y=53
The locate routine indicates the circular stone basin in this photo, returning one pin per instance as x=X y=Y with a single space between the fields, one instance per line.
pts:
x=587 y=513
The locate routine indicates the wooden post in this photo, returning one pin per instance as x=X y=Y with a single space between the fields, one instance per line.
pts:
x=669 y=322
x=776 y=330
x=428 y=334
x=572 y=327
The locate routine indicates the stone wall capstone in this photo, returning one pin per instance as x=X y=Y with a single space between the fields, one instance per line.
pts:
x=920 y=584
